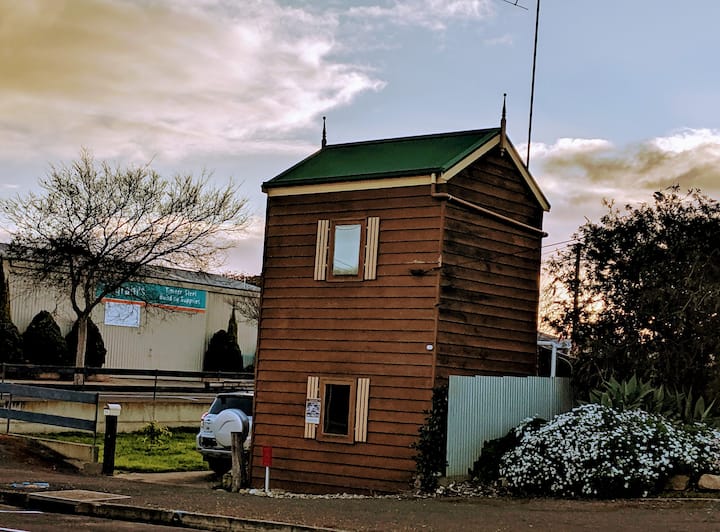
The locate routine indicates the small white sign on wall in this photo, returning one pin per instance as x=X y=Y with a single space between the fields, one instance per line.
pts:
x=122 y=314
x=312 y=411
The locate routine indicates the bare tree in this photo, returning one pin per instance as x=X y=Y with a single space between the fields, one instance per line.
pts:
x=248 y=306
x=96 y=226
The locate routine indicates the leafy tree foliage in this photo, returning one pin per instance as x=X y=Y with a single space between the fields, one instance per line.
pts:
x=43 y=343
x=95 y=351
x=96 y=227
x=647 y=293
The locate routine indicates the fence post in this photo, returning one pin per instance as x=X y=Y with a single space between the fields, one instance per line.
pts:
x=9 y=405
x=111 y=411
x=239 y=462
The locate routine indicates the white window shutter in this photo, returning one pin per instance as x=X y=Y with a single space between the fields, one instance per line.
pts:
x=371 y=247
x=313 y=392
x=321 y=250
x=361 y=409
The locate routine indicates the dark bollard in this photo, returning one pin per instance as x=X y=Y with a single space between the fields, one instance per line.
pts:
x=111 y=411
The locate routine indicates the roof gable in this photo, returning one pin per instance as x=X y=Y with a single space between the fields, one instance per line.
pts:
x=384 y=158
x=389 y=163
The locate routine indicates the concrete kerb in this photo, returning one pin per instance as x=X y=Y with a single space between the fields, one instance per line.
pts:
x=216 y=523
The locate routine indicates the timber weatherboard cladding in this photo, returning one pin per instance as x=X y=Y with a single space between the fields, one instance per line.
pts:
x=490 y=277
x=455 y=291
x=375 y=329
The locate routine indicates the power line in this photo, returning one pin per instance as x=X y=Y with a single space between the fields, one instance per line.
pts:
x=515 y=3
x=561 y=242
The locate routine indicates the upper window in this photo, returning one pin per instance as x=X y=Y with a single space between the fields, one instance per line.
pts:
x=346 y=250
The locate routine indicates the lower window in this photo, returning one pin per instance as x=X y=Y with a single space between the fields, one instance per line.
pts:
x=338 y=409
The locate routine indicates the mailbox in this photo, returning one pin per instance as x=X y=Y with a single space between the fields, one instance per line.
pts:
x=112 y=409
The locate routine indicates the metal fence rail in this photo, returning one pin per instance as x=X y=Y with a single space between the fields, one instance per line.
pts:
x=484 y=408
x=159 y=380
x=15 y=391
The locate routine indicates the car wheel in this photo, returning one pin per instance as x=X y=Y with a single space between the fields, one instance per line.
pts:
x=219 y=465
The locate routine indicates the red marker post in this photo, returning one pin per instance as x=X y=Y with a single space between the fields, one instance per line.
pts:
x=267 y=462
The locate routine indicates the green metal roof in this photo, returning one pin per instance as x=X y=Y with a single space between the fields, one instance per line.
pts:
x=397 y=157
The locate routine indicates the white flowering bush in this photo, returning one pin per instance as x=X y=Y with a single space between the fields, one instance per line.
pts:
x=596 y=451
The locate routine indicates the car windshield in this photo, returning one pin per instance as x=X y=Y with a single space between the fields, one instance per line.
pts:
x=240 y=402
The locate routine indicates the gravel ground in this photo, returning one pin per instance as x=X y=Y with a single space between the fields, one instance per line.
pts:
x=462 y=510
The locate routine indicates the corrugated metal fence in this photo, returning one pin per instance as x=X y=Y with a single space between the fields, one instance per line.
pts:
x=484 y=408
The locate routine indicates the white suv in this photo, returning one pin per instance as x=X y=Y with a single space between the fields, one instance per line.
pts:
x=229 y=412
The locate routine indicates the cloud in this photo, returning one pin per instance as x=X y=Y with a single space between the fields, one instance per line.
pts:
x=689 y=158
x=431 y=14
x=168 y=78
x=577 y=174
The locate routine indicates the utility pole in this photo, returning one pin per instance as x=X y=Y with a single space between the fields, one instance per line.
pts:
x=576 y=294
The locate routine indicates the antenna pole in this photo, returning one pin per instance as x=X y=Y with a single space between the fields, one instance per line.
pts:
x=532 y=84
x=323 y=143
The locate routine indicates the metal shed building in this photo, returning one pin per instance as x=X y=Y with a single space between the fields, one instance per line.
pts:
x=171 y=336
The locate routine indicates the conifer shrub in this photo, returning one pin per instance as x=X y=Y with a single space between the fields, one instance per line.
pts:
x=95 y=351
x=223 y=353
x=43 y=343
x=11 y=345
x=11 y=351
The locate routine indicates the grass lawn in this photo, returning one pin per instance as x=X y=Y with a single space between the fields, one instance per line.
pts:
x=136 y=451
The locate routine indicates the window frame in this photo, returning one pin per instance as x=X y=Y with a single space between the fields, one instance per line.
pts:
x=360 y=274
x=351 y=414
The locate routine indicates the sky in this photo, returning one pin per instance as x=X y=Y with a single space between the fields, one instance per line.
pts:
x=627 y=94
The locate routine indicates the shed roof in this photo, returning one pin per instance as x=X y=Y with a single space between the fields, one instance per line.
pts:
x=165 y=273
x=397 y=157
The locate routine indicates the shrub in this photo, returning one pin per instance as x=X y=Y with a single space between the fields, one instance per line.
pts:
x=11 y=350
x=430 y=460
x=10 y=340
x=155 y=434
x=487 y=467
x=95 y=351
x=631 y=394
x=596 y=451
x=634 y=393
x=43 y=344
x=223 y=353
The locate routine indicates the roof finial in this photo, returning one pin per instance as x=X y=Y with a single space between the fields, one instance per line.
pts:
x=324 y=135
x=503 y=134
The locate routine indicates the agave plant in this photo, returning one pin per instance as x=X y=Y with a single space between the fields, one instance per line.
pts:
x=637 y=394
x=632 y=394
